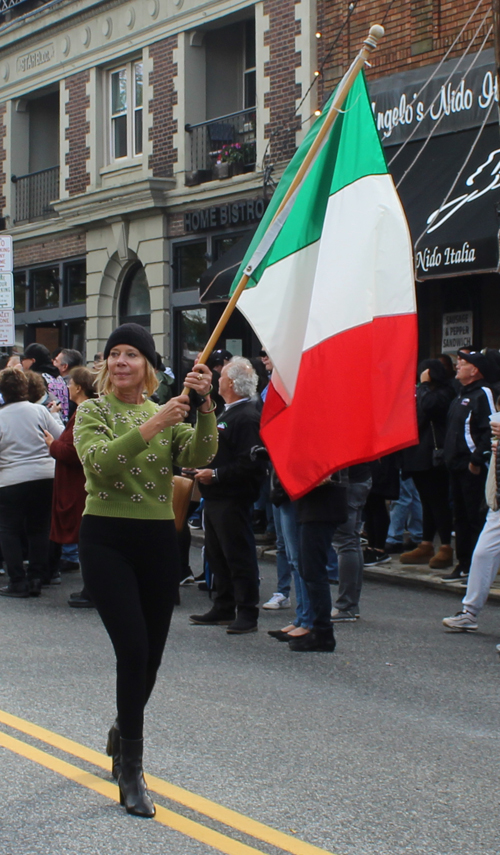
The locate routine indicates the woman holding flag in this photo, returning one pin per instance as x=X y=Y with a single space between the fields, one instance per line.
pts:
x=128 y=545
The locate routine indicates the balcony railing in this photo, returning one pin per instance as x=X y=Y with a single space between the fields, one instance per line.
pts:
x=16 y=8
x=8 y=4
x=34 y=193
x=228 y=139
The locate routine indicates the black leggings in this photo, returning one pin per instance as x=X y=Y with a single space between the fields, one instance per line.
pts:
x=433 y=487
x=131 y=571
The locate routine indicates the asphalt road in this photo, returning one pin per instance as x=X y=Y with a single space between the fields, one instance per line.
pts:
x=388 y=746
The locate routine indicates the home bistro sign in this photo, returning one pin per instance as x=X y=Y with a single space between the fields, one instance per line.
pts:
x=217 y=216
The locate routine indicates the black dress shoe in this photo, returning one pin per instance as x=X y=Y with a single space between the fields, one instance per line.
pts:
x=321 y=640
x=212 y=618
x=241 y=625
x=35 y=587
x=66 y=566
x=396 y=548
x=279 y=635
x=78 y=601
x=15 y=589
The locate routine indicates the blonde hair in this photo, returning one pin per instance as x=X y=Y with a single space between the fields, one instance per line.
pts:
x=104 y=385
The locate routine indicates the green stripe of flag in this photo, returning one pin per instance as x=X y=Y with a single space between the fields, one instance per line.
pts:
x=352 y=151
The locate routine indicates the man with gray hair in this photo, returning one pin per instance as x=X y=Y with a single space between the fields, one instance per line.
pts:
x=67 y=359
x=229 y=488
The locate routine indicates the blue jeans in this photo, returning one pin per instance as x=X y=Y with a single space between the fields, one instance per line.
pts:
x=283 y=567
x=315 y=539
x=347 y=543
x=70 y=552
x=285 y=521
x=198 y=513
x=406 y=512
x=332 y=568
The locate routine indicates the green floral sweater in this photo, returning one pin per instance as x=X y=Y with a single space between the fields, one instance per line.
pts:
x=127 y=476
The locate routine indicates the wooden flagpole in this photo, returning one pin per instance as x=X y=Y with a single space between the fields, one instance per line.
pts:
x=370 y=43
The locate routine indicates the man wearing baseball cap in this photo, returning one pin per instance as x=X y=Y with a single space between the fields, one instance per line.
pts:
x=467 y=449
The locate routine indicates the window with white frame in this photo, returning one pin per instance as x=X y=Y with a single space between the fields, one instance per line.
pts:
x=126 y=87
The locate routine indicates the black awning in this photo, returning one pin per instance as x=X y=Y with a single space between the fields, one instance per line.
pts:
x=217 y=279
x=463 y=238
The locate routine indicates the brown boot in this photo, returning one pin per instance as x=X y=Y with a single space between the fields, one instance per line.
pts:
x=421 y=555
x=442 y=559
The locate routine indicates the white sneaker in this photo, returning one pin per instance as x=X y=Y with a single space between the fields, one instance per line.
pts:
x=463 y=621
x=278 y=601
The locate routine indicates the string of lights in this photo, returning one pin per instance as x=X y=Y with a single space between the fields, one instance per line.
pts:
x=431 y=76
x=435 y=127
x=317 y=75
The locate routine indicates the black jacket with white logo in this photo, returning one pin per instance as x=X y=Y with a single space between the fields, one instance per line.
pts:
x=236 y=474
x=468 y=432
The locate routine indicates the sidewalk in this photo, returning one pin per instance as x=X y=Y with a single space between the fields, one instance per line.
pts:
x=394 y=572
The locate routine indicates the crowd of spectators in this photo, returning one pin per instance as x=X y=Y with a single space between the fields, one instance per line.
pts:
x=429 y=504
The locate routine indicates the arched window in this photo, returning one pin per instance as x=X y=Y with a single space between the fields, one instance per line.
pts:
x=135 y=304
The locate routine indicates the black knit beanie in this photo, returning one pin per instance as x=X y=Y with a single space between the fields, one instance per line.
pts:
x=136 y=336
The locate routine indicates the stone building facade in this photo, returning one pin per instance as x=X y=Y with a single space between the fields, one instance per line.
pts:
x=112 y=120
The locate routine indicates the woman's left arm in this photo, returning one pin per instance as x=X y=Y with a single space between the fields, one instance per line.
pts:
x=195 y=447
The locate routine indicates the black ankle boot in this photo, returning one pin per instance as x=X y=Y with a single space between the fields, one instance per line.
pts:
x=113 y=749
x=133 y=792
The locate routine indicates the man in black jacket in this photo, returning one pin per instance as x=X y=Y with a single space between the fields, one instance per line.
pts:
x=229 y=489
x=467 y=448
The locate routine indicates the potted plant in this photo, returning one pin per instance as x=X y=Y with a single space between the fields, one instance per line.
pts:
x=222 y=169
x=249 y=156
x=232 y=153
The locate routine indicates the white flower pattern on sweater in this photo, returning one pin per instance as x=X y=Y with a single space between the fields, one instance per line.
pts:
x=126 y=476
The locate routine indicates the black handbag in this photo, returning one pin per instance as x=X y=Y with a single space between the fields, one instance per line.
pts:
x=437 y=453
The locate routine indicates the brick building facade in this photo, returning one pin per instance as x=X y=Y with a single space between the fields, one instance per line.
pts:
x=161 y=106
x=417 y=33
x=449 y=160
x=77 y=129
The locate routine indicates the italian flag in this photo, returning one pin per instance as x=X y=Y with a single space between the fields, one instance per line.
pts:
x=332 y=299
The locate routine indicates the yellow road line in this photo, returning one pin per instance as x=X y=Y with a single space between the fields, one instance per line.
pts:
x=165 y=817
x=231 y=818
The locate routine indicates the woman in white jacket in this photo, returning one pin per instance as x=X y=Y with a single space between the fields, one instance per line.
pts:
x=26 y=479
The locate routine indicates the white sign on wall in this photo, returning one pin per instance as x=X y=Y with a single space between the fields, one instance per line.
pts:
x=234 y=346
x=457 y=331
x=6 y=253
x=6 y=291
x=7 y=330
